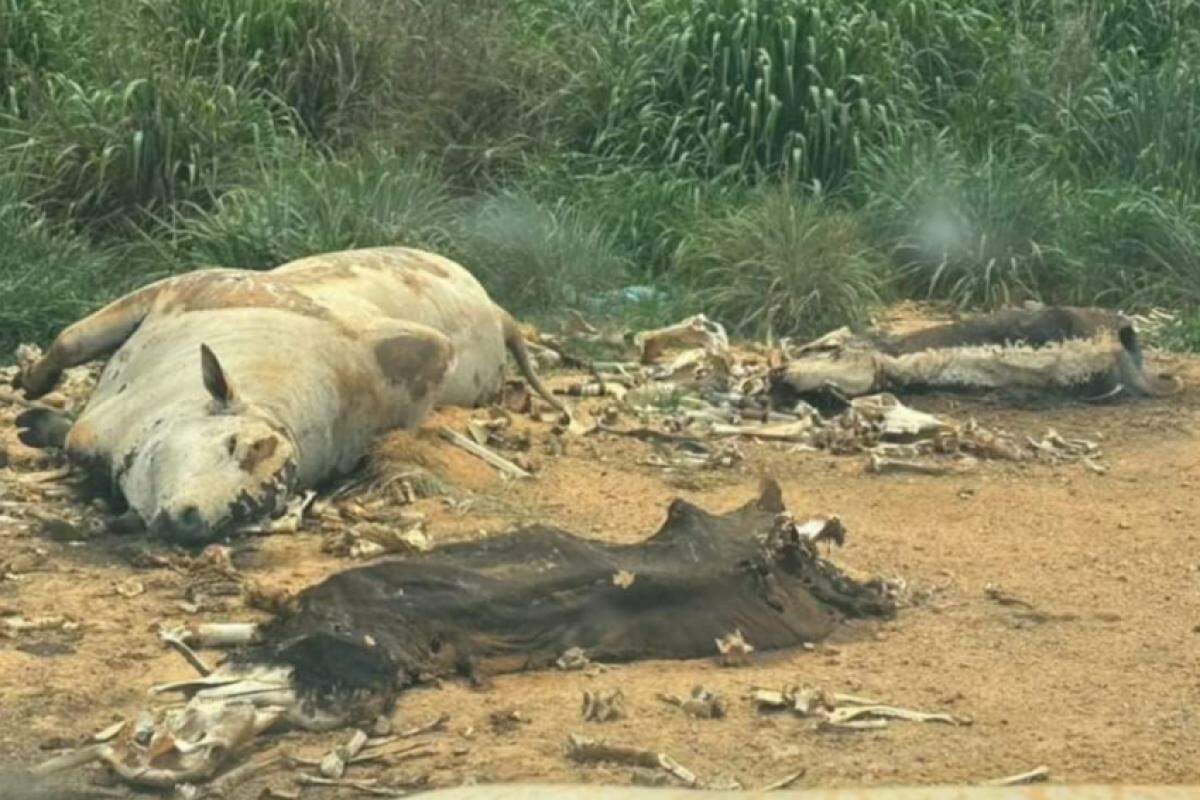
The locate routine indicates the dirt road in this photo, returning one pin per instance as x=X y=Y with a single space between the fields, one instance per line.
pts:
x=1095 y=674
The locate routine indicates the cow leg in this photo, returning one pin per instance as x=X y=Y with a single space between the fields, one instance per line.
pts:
x=90 y=338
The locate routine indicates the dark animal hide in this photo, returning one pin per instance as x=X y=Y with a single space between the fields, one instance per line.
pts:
x=1031 y=327
x=519 y=600
x=1050 y=352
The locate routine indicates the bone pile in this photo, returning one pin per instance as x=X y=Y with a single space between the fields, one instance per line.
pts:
x=690 y=390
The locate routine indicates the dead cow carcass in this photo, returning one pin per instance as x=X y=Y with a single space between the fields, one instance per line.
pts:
x=520 y=600
x=1079 y=351
x=230 y=389
x=348 y=645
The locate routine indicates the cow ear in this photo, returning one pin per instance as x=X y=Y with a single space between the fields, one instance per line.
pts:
x=214 y=378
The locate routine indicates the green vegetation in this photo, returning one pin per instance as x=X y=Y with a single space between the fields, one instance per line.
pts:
x=783 y=165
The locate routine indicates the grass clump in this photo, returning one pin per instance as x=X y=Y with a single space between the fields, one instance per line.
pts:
x=47 y=276
x=104 y=156
x=784 y=264
x=290 y=207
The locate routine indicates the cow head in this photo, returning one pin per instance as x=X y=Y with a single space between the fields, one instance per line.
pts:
x=222 y=463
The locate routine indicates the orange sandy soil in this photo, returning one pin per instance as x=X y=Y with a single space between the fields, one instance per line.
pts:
x=1101 y=682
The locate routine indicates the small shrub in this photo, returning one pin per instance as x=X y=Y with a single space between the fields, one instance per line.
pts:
x=100 y=156
x=537 y=258
x=303 y=204
x=782 y=265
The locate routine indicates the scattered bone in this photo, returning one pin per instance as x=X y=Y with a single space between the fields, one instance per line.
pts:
x=623 y=579
x=109 y=733
x=603 y=706
x=797 y=431
x=223 y=786
x=842 y=712
x=808 y=701
x=1057 y=448
x=429 y=727
x=695 y=331
x=290 y=521
x=879 y=465
x=479 y=451
x=853 y=700
x=14 y=625
x=585 y=749
x=785 y=781
x=846 y=714
x=218 y=634
x=1037 y=775
x=768 y=699
x=734 y=650
x=703 y=703
x=333 y=765
x=173 y=640
x=573 y=658
x=130 y=588
x=49 y=476
x=187 y=745
x=372 y=540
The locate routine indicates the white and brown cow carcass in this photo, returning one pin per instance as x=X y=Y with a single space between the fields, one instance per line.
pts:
x=229 y=389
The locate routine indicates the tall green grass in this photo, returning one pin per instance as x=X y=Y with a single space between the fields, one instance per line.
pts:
x=782 y=164
x=47 y=275
x=305 y=53
x=110 y=154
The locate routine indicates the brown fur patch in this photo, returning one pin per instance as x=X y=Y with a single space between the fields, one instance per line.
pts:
x=257 y=453
x=419 y=361
x=428 y=265
x=413 y=283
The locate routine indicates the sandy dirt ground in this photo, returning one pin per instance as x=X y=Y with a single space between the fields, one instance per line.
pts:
x=1097 y=677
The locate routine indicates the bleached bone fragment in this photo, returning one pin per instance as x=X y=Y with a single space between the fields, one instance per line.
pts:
x=333 y=765
x=603 y=706
x=218 y=634
x=1036 y=775
x=734 y=650
x=789 y=431
x=585 y=749
x=695 y=331
x=846 y=714
x=479 y=451
x=880 y=465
